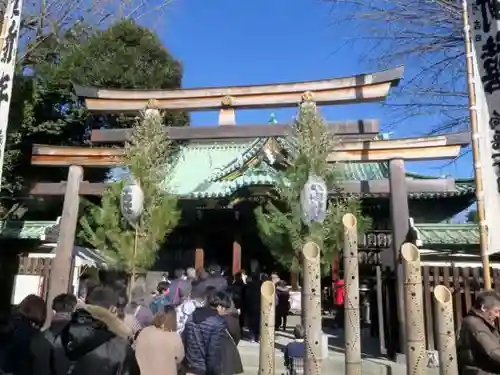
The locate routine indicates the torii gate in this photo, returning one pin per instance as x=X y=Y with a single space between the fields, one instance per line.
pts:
x=355 y=89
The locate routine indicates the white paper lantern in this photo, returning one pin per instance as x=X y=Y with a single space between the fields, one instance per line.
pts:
x=313 y=200
x=132 y=202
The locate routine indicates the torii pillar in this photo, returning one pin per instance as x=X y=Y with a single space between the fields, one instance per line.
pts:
x=395 y=152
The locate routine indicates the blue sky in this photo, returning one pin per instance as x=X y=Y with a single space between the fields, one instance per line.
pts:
x=222 y=42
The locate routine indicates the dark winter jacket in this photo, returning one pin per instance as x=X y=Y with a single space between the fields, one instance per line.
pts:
x=61 y=362
x=478 y=346
x=204 y=340
x=97 y=342
x=233 y=326
x=231 y=359
x=216 y=281
x=238 y=293
x=57 y=324
x=283 y=300
x=251 y=304
x=24 y=350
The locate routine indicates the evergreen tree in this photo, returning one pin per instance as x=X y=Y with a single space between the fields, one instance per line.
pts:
x=280 y=221
x=148 y=155
x=44 y=109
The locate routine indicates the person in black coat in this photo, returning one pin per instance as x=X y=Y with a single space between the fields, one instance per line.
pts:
x=215 y=279
x=282 y=305
x=233 y=325
x=24 y=350
x=251 y=306
x=63 y=307
x=96 y=341
x=238 y=289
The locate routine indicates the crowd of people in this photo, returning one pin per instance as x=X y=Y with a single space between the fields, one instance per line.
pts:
x=190 y=325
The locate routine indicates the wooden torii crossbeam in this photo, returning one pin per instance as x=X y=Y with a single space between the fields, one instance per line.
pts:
x=379 y=187
x=354 y=89
x=354 y=129
x=446 y=146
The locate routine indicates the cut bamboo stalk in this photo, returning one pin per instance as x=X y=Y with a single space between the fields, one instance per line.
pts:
x=446 y=342
x=311 y=307
x=416 y=354
x=267 y=314
x=351 y=300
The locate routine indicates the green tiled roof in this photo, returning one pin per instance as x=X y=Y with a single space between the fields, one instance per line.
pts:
x=380 y=171
x=218 y=169
x=448 y=234
x=204 y=170
x=29 y=230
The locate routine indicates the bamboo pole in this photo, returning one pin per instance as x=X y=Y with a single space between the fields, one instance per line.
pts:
x=311 y=307
x=133 y=268
x=474 y=127
x=267 y=314
x=446 y=342
x=351 y=300
x=416 y=354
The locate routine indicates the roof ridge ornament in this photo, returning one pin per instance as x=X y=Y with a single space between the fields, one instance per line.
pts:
x=153 y=104
x=272 y=119
x=227 y=101
x=307 y=96
x=152 y=108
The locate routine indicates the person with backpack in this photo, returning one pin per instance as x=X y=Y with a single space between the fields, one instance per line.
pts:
x=173 y=292
x=160 y=300
x=97 y=341
x=190 y=302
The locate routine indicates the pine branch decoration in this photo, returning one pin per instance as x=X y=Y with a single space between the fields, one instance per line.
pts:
x=280 y=221
x=149 y=155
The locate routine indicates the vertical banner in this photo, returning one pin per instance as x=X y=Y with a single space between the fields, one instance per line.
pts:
x=8 y=53
x=484 y=18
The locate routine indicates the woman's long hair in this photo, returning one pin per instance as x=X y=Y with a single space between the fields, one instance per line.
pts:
x=166 y=320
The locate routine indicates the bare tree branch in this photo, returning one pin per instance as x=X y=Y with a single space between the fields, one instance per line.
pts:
x=43 y=19
x=427 y=34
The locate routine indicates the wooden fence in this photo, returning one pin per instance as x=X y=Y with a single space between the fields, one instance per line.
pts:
x=465 y=284
x=37 y=267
